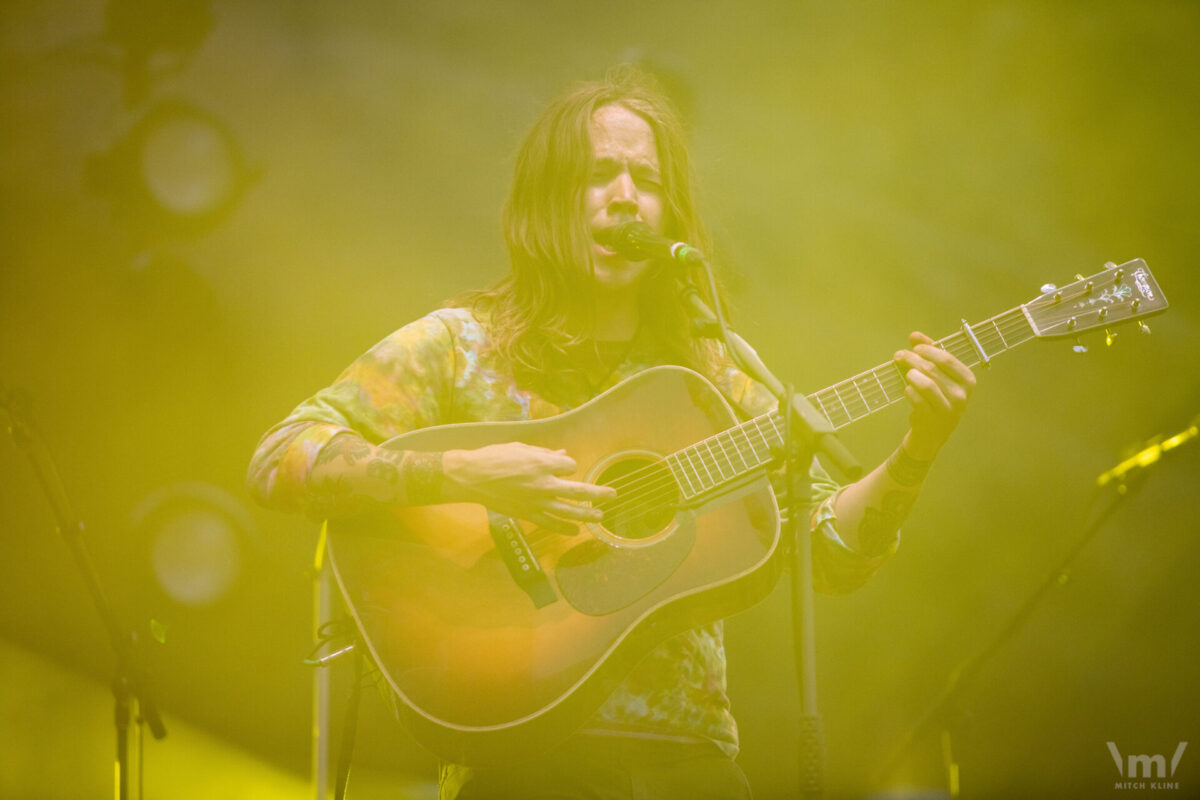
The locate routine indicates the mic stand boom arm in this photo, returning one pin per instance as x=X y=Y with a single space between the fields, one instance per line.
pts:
x=133 y=701
x=945 y=713
x=806 y=432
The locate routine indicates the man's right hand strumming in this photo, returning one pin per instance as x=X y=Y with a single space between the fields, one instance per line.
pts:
x=522 y=481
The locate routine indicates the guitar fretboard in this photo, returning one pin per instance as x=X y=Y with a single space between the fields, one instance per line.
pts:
x=730 y=455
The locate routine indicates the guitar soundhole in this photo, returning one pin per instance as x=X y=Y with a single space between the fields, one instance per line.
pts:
x=647 y=498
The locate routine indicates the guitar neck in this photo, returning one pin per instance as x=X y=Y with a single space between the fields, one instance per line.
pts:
x=728 y=457
x=868 y=392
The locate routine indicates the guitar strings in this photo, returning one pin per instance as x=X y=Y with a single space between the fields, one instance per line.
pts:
x=662 y=490
x=996 y=334
x=663 y=486
x=629 y=479
x=872 y=393
x=695 y=454
x=660 y=483
x=655 y=483
x=1014 y=331
x=652 y=495
x=649 y=492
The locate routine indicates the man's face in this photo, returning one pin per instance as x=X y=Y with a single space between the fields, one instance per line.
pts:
x=625 y=185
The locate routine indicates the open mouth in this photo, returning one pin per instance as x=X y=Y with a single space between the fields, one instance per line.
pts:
x=602 y=240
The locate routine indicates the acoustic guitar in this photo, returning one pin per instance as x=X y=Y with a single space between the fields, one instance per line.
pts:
x=499 y=637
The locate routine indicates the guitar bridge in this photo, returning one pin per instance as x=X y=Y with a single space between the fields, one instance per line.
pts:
x=520 y=559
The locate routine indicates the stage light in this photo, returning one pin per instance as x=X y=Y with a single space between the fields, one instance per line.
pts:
x=178 y=171
x=197 y=535
x=154 y=38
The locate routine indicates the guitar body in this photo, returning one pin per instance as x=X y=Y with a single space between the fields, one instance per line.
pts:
x=500 y=638
x=483 y=669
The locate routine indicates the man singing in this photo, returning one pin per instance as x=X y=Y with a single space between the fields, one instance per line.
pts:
x=571 y=319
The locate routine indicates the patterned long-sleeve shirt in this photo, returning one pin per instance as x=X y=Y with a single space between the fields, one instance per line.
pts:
x=441 y=369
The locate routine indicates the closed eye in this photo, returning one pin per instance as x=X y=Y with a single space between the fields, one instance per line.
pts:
x=647 y=180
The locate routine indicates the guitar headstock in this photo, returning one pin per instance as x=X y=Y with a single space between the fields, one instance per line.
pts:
x=1115 y=295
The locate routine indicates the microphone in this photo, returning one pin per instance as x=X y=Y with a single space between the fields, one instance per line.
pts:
x=1153 y=450
x=637 y=242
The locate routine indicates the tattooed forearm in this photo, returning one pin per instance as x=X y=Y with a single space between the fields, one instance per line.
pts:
x=383 y=469
x=344 y=446
x=355 y=450
x=423 y=473
x=350 y=476
x=415 y=477
x=906 y=470
x=394 y=456
x=877 y=530
x=334 y=497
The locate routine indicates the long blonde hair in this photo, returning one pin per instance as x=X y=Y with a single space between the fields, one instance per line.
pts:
x=538 y=313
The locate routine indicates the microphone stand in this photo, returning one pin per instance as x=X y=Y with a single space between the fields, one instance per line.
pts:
x=133 y=701
x=806 y=432
x=945 y=713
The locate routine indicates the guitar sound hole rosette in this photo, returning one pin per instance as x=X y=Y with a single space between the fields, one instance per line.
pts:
x=647 y=500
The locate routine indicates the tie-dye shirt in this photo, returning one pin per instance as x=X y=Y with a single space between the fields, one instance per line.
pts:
x=441 y=369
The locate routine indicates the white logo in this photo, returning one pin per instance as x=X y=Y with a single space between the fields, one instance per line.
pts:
x=1139 y=766
x=1143 y=285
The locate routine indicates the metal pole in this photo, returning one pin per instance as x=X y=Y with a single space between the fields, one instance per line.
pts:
x=322 y=601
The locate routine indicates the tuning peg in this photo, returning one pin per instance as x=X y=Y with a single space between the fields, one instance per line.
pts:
x=1079 y=348
x=1078 y=276
x=1109 y=337
x=1049 y=288
x=1109 y=264
x=1143 y=327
